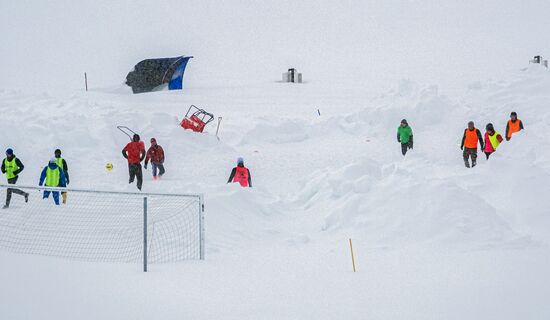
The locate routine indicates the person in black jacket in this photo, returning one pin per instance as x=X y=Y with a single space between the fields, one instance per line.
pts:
x=63 y=165
x=12 y=167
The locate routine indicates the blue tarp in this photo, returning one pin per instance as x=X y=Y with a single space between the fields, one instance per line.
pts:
x=176 y=82
x=152 y=73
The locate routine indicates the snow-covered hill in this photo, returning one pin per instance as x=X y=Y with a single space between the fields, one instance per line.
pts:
x=433 y=239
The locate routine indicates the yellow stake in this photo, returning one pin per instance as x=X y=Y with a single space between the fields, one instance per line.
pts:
x=352 y=256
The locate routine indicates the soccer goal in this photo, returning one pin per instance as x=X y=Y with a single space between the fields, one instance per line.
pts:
x=103 y=226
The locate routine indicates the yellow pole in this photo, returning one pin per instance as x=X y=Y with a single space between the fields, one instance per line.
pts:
x=352 y=255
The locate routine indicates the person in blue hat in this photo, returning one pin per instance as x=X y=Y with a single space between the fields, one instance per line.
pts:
x=241 y=174
x=12 y=167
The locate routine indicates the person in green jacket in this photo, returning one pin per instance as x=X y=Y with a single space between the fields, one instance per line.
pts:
x=405 y=136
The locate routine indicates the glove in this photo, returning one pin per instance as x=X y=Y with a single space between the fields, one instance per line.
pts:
x=461 y=147
x=145 y=166
x=410 y=145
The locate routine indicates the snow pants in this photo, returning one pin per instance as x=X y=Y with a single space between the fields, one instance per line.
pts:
x=160 y=168
x=135 y=171
x=9 y=191
x=55 y=196
x=470 y=153
x=404 y=148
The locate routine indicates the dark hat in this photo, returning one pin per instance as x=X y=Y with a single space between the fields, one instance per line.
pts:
x=153 y=140
x=57 y=152
x=513 y=114
x=404 y=121
x=9 y=151
x=136 y=137
x=489 y=127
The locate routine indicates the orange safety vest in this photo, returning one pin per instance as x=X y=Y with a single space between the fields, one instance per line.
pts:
x=241 y=176
x=471 y=139
x=513 y=127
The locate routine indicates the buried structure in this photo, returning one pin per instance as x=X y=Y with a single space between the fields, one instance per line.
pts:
x=150 y=74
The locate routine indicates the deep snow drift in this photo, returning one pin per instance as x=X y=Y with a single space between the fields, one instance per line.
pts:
x=423 y=225
x=433 y=239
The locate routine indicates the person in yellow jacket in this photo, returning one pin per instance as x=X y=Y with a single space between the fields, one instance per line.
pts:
x=492 y=140
x=53 y=176
x=12 y=167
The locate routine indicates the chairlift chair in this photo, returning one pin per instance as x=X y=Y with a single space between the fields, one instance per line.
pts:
x=196 y=119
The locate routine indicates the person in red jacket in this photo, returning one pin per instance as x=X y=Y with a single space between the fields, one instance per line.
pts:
x=156 y=155
x=241 y=174
x=135 y=153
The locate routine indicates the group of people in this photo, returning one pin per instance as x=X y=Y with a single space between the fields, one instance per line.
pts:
x=472 y=137
x=55 y=174
x=489 y=142
x=135 y=153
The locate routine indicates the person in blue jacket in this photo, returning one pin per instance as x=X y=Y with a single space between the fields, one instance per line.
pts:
x=54 y=176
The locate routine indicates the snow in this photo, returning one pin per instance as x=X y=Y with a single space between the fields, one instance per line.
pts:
x=433 y=240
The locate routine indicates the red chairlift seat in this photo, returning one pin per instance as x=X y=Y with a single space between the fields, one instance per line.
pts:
x=196 y=119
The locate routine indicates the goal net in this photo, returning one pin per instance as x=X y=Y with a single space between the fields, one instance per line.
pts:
x=103 y=226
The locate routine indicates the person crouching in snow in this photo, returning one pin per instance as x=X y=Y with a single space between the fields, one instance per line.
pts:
x=241 y=174
x=54 y=177
x=492 y=140
x=156 y=155
x=405 y=136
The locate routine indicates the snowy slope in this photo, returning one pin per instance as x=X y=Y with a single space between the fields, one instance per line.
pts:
x=433 y=239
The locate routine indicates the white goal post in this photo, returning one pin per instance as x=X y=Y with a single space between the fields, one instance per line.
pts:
x=103 y=226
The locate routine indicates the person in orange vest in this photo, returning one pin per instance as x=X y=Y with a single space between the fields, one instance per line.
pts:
x=514 y=125
x=241 y=174
x=469 y=144
x=492 y=140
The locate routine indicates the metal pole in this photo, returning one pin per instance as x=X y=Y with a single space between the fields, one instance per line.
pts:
x=201 y=226
x=144 y=234
x=218 y=128
x=86 y=80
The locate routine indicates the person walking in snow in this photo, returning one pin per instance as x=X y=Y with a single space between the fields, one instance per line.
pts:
x=514 y=125
x=405 y=136
x=469 y=144
x=134 y=151
x=156 y=155
x=53 y=176
x=12 y=167
x=241 y=174
x=492 y=140
x=63 y=165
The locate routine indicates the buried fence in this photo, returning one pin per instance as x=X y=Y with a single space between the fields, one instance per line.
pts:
x=103 y=226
